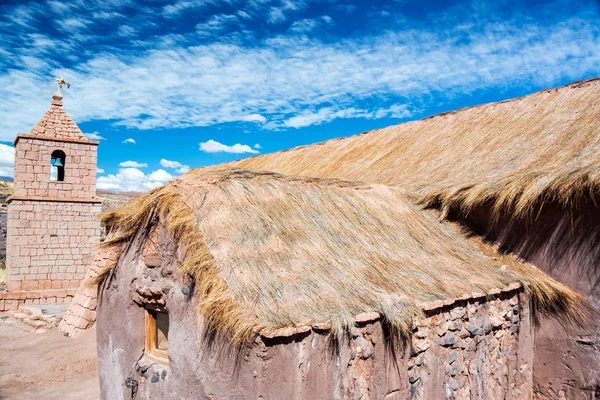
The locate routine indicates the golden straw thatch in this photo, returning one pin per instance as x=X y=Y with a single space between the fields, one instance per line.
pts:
x=270 y=251
x=512 y=154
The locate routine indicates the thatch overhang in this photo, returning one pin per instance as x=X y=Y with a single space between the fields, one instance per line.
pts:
x=511 y=155
x=269 y=251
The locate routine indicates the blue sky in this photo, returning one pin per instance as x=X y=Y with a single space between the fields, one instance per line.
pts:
x=167 y=86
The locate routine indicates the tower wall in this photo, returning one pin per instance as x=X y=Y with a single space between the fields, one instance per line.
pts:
x=32 y=168
x=52 y=229
x=50 y=243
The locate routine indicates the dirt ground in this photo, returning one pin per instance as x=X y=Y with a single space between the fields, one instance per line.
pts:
x=46 y=365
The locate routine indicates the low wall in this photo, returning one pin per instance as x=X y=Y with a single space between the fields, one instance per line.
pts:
x=13 y=300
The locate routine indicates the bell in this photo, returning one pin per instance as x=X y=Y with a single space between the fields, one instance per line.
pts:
x=57 y=163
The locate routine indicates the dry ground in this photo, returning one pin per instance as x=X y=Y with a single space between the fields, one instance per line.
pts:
x=46 y=365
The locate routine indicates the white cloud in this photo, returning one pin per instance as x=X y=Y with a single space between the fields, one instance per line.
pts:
x=257 y=146
x=132 y=180
x=212 y=146
x=94 y=136
x=160 y=175
x=253 y=118
x=99 y=171
x=133 y=164
x=129 y=140
x=7 y=160
x=180 y=168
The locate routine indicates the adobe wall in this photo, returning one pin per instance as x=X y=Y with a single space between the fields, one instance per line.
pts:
x=32 y=169
x=470 y=349
x=564 y=243
x=50 y=244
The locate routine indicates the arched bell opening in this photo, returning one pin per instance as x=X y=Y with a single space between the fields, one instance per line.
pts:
x=57 y=166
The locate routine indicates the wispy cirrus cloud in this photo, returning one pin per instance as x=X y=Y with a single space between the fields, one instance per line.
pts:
x=289 y=79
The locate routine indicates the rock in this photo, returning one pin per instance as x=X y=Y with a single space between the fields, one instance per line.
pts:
x=20 y=315
x=463 y=333
x=457 y=313
x=35 y=323
x=422 y=333
x=515 y=319
x=454 y=370
x=413 y=378
x=34 y=312
x=355 y=332
x=460 y=344
x=487 y=327
x=499 y=334
x=456 y=384
x=451 y=357
x=421 y=345
x=155 y=379
x=514 y=328
x=473 y=331
x=496 y=321
x=442 y=328
x=420 y=360
x=455 y=326
x=448 y=339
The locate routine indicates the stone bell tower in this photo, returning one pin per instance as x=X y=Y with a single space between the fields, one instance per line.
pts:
x=52 y=226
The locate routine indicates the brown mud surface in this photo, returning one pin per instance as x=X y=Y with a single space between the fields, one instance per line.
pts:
x=46 y=365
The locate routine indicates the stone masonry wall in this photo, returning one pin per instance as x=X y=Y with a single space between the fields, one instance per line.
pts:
x=480 y=349
x=32 y=169
x=50 y=244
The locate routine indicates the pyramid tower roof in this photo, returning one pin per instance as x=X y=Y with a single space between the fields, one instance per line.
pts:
x=56 y=123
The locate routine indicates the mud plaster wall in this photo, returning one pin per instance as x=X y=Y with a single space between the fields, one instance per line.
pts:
x=565 y=243
x=477 y=349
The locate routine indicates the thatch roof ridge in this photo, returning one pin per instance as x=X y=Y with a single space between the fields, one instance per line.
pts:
x=514 y=145
x=270 y=251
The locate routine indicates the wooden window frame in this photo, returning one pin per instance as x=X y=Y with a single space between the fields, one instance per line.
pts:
x=156 y=355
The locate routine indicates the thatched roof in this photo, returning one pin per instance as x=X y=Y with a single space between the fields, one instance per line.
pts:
x=270 y=251
x=510 y=154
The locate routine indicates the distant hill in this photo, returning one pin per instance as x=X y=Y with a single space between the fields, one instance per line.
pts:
x=6 y=178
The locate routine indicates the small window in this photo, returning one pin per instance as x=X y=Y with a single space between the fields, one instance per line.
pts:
x=157 y=335
x=57 y=166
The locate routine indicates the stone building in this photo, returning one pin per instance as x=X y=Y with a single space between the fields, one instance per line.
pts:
x=52 y=225
x=238 y=284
